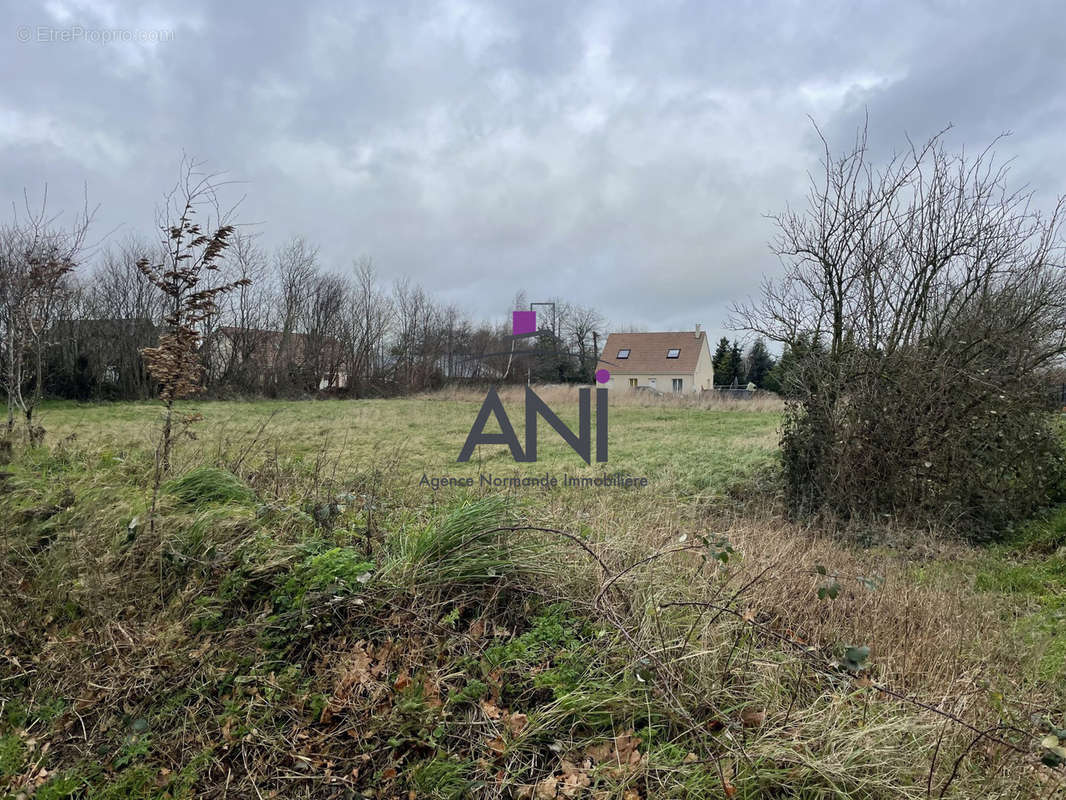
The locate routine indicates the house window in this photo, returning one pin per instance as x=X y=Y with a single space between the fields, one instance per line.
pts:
x=632 y=383
x=623 y=353
x=673 y=353
x=677 y=385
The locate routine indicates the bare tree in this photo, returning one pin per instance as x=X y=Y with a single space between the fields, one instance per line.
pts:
x=323 y=354
x=296 y=265
x=237 y=337
x=582 y=326
x=192 y=253
x=120 y=317
x=37 y=257
x=367 y=321
x=413 y=310
x=923 y=300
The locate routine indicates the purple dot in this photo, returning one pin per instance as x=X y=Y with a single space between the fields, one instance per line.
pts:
x=602 y=376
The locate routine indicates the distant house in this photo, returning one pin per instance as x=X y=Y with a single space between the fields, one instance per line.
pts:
x=676 y=361
x=100 y=357
x=314 y=361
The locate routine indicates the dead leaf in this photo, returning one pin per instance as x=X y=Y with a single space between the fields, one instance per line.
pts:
x=753 y=717
x=492 y=711
x=617 y=754
x=626 y=748
x=360 y=668
x=574 y=780
x=515 y=723
x=431 y=692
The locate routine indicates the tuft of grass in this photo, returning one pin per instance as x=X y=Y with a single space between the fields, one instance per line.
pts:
x=209 y=485
x=461 y=548
x=60 y=787
x=442 y=778
x=12 y=756
x=1043 y=536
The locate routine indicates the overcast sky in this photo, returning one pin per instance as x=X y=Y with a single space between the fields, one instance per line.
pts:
x=620 y=155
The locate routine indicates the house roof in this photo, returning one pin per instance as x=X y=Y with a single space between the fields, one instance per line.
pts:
x=647 y=352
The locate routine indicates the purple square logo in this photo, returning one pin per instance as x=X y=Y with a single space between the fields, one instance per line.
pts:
x=523 y=322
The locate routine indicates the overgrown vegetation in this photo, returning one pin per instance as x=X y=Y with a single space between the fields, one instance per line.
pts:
x=191 y=253
x=921 y=303
x=314 y=625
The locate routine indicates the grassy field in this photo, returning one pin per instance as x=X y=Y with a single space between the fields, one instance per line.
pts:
x=678 y=450
x=302 y=618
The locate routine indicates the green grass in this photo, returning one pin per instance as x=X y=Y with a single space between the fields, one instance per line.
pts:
x=686 y=451
x=209 y=485
x=12 y=756
x=1029 y=571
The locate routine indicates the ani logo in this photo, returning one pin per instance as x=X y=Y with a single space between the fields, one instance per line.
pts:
x=523 y=326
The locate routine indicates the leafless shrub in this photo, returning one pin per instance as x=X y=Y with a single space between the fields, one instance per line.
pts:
x=922 y=301
x=191 y=254
x=37 y=257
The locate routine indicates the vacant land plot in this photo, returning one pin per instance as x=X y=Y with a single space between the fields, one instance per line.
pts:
x=678 y=448
x=304 y=618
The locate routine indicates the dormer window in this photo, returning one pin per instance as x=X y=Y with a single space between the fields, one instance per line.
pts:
x=674 y=353
x=623 y=353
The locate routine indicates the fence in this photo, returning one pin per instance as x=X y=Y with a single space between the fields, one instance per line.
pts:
x=735 y=392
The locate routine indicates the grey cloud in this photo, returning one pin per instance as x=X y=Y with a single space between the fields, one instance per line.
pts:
x=620 y=155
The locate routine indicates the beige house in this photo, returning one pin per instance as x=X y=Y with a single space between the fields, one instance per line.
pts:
x=678 y=362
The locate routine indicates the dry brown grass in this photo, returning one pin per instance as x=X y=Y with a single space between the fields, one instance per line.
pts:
x=931 y=638
x=934 y=640
x=935 y=636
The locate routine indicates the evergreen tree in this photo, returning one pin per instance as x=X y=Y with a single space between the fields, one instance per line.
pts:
x=760 y=363
x=782 y=377
x=719 y=361
x=772 y=381
x=736 y=361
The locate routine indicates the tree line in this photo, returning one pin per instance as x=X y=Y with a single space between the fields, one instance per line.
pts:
x=76 y=321
x=733 y=366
